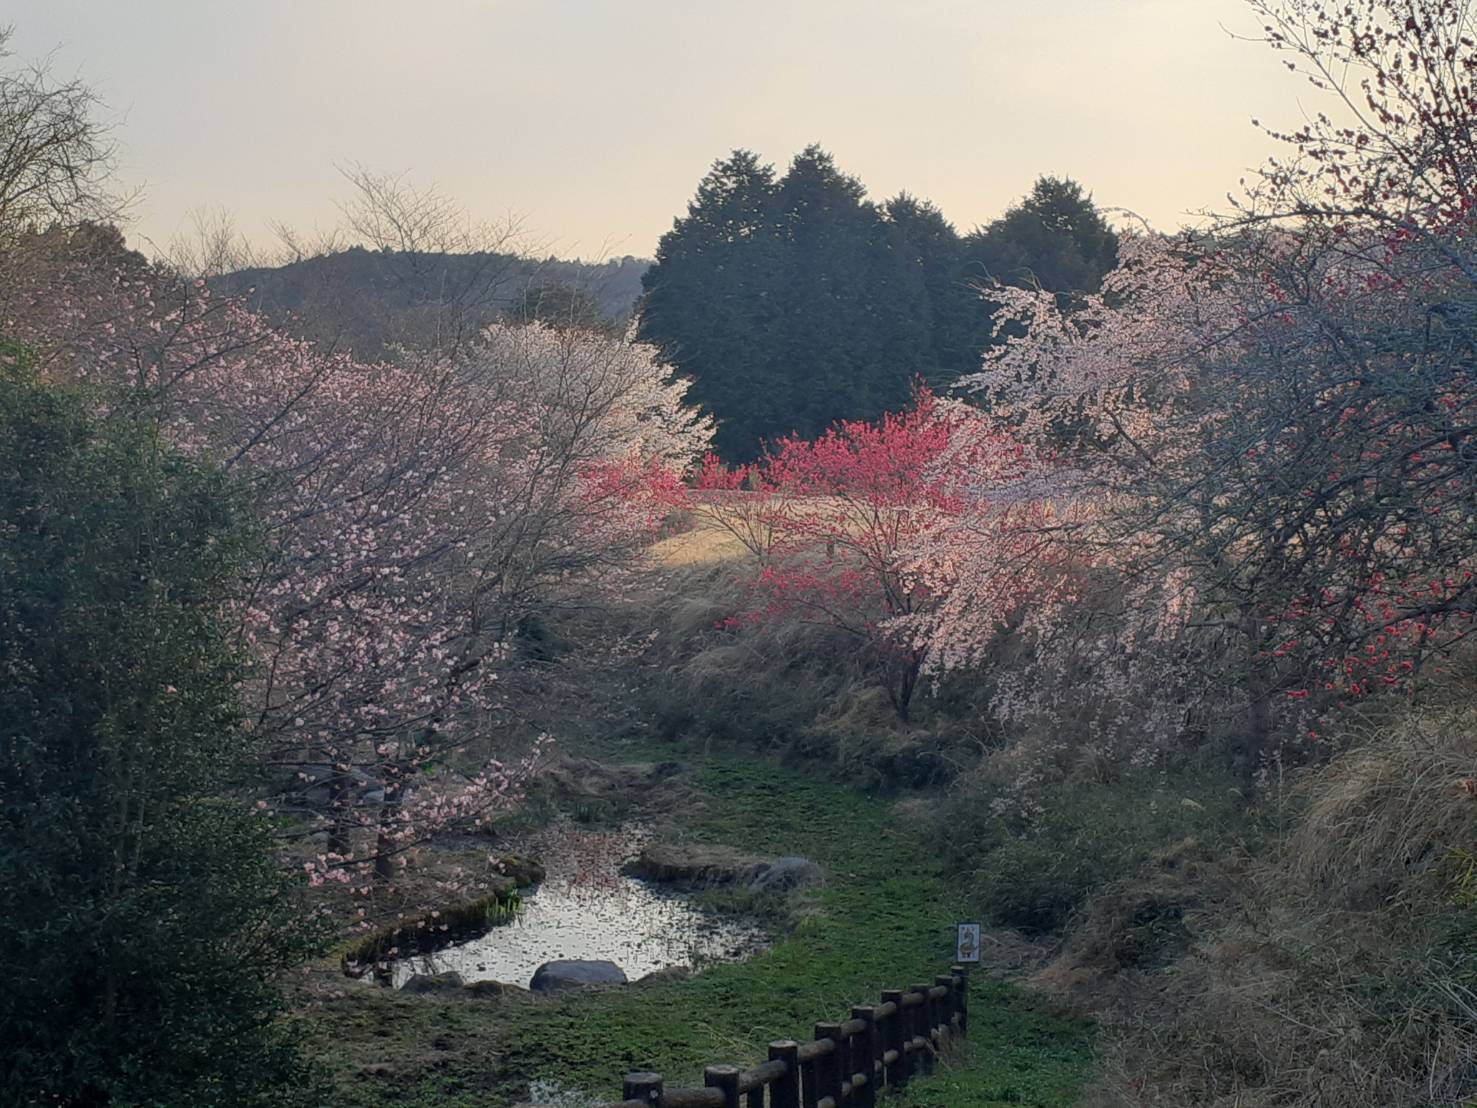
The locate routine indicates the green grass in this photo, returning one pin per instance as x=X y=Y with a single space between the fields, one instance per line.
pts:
x=885 y=919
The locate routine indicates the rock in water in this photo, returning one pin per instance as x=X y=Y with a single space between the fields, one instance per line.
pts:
x=695 y=865
x=575 y=975
x=524 y=871
x=433 y=983
x=785 y=874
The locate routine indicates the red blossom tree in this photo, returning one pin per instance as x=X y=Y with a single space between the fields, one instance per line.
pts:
x=831 y=523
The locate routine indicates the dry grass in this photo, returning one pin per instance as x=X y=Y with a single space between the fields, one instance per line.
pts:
x=1387 y=812
x=709 y=532
x=1336 y=973
x=698 y=546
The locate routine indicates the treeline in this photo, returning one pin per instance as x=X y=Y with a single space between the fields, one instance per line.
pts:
x=794 y=301
x=370 y=299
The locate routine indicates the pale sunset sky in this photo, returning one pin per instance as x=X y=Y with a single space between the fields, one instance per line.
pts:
x=592 y=120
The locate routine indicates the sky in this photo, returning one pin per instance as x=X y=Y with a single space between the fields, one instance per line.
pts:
x=591 y=121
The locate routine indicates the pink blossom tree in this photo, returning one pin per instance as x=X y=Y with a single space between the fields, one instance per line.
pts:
x=412 y=513
x=1265 y=433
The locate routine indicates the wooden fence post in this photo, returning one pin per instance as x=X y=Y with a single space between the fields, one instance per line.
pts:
x=866 y=1057
x=845 y=1046
x=962 y=973
x=645 y=1087
x=897 y=1073
x=945 y=1012
x=910 y=1035
x=923 y=1031
x=785 y=1093
x=848 y=1064
x=828 y=1069
x=726 y=1080
x=850 y=1044
x=809 y=1081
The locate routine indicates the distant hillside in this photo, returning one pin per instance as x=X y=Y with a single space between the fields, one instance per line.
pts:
x=365 y=299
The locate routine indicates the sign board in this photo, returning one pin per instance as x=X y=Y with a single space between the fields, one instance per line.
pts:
x=969 y=943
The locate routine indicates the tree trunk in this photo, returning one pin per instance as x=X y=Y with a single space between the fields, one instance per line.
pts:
x=1257 y=736
x=384 y=845
x=339 y=829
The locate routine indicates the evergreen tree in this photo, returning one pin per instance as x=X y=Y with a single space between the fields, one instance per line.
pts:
x=1055 y=238
x=897 y=318
x=709 y=299
x=933 y=255
x=795 y=302
x=826 y=344
x=145 y=912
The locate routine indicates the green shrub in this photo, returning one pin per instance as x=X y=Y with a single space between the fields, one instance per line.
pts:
x=145 y=913
x=1033 y=873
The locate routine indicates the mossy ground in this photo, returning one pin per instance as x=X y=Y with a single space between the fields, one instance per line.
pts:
x=884 y=919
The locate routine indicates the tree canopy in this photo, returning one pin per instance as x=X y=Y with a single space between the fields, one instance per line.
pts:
x=794 y=301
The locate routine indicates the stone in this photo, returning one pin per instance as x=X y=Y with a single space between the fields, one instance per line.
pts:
x=575 y=974
x=433 y=983
x=586 y=779
x=521 y=870
x=695 y=864
x=784 y=874
x=671 y=973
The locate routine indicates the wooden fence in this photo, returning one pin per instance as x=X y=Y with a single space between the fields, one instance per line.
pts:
x=849 y=1063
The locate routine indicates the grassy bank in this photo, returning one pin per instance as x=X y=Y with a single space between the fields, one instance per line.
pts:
x=885 y=918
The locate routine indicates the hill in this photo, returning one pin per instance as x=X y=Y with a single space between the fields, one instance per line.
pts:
x=365 y=299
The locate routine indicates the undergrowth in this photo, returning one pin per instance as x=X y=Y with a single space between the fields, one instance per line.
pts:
x=1034 y=869
x=1335 y=966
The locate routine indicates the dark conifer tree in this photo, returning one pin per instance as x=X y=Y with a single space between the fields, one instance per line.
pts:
x=1055 y=238
x=795 y=302
x=710 y=298
x=827 y=340
x=933 y=255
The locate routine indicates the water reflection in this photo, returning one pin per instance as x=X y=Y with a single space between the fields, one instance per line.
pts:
x=619 y=919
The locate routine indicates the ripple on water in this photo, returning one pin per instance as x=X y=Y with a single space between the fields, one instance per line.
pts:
x=622 y=920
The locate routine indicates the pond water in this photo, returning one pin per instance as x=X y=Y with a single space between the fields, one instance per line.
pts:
x=619 y=919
